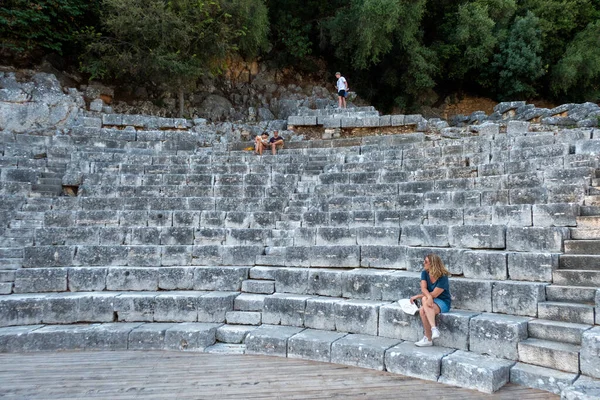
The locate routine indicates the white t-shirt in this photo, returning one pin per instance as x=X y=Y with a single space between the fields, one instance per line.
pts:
x=341 y=83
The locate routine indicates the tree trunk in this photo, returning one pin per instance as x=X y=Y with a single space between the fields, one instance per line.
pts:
x=180 y=93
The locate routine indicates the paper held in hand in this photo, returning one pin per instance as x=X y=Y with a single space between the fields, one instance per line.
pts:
x=408 y=307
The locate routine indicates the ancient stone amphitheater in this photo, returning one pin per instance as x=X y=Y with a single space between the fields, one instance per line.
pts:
x=163 y=244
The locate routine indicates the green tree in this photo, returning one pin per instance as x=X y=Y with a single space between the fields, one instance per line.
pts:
x=165 y=42
x=471 y=42
x=30 y=29
x=577 y=75
x=250 y=20
x=518 y=63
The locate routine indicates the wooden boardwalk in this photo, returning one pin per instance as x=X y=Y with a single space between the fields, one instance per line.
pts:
x=175 y=375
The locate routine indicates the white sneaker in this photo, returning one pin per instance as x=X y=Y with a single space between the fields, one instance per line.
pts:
x=435 y=333
x=424 y=342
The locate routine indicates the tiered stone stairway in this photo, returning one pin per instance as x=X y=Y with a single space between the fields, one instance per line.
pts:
x=304 y=254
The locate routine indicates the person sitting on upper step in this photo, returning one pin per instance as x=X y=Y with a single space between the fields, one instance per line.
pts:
x=276 y=140
x=261 y=142
x=435 y=292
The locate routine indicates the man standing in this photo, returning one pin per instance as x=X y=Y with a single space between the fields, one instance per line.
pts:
x=342 y=88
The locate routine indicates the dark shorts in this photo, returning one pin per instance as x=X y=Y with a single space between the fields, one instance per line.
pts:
x=342 y=93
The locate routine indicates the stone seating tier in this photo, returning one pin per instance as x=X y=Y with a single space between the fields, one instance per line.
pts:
x=447 y=365
x=168 y=237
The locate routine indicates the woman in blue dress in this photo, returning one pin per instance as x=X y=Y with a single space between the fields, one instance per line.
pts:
x=435 y=295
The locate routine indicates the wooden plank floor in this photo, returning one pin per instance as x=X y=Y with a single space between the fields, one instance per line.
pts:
x=175 y=375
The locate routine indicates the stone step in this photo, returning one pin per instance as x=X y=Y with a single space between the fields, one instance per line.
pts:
x=589 y=211
x=51 y=190
x=474 y=371
x=594 y=191
x=172 y=306
x=585 y=233
x=571 y=294
x=591 y=200
x=589 y=247
x=249 y=302
x=258 y=286
x=234 y=334
x=550 y=354
x=243 y=317
x=566 y=312
x=566 y=277
x=564 y=332
x=588 y=222
x=108 y=336
x=50 y=181
x=25 y=224
x=541 y=378
x=579 y=262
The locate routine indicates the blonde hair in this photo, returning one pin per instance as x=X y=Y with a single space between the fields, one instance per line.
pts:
x=437 y=269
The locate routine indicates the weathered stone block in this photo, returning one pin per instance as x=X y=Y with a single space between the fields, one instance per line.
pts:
x=357 y=316
x=532 y=266
x=312 y=344
x=555 y=214
x=474 y=371
x=419 y=362
x=497 y=335
x=425 y=235
x=485 y=265
x=361 y=350
x=335 y=256
x=258 y=286
x=233 y=333
x=379 y=236
x=291 y=280
x=126 y=278
x=536 y=239
x=134 y=307
x=363 y=284
x=518 y=298
x=590 y=352
x=219 y=278
x=190 y=336
x=149 y=336
x=395 y=323
x=515 y=215
x=541 y=378
x=176 y=306
x=318 y=312
x=284 y=309
x=101 y=255
x=14 y=339
x=176 y=278
x=478 y=236
x=40 y=280
x=270 y=340
x=454 y=329
x=383 y=256
x=87 y=279
x=48 y=256
x=584 y=388
x=325 y=282
x=213 y=307
x=243 y=317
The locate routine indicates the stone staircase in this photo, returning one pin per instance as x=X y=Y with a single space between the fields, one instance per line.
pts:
x=304 y=254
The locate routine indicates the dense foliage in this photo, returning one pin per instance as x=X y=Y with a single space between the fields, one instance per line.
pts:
x=404 y=53
x=29 y=29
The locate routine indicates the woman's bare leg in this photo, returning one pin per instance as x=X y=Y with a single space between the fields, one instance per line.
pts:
x=426 y=326
x=430 y=313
